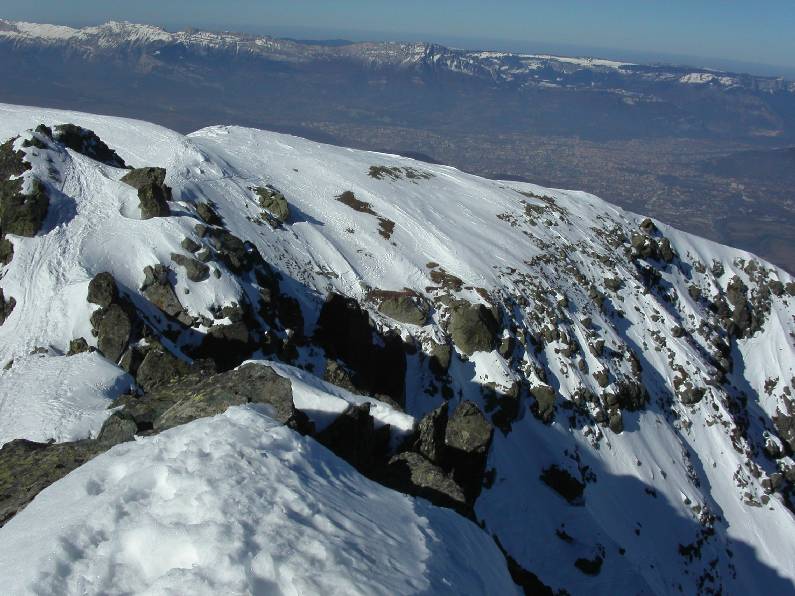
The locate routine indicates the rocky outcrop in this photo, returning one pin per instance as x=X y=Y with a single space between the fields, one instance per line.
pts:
x=194 y=397
x=405 y=307
x=473 y=328
x=27 y=468
x=353 y=437
x=195 y=270
x=102 y=290
x=159 y=291
x=113 y=332
x=413 y=474
x=344 y=331
x=159 y=367
x=21 y=213
x=274 y=203
x=467 y=439
x=86 y=142
x=446 y=459
x=562 y=482
x=153 y=194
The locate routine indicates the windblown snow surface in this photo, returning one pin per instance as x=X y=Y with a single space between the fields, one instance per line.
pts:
x=239 y=504
x=678 y=501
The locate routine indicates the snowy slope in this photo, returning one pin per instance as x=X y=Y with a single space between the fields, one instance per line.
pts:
x=239 y=504
x=678 y=471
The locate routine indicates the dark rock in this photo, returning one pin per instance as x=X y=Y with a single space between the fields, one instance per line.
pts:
x=158 y=290
x=666 y=252
x=86 y=142
x=589 y=566
x=6 y=306
x=563 y=483
x=190 y=245
x=78 y=346
x=113 y=332
x=274 y=203
x=507 y=346
x=199 y=397
x=791 y=288
x=736 y=292
x=467 y=438
x=195 y=270
x=441 y=355
x=648 y=226
x=352 y=436
x=616 y=421
x=153 y=194
x=344 y=331
x=338 y=375
x=27 y=468
x=232 y=251
x=120 y=427
x=6 y=251
x=613 y=284
x=431 y=431
x=404 y=308
x=544 y=408
x=159 y=367
x=412 y=474
x=227 y=345
x=21 y=214
x=690 y=395
x=208 y=215
x=473 y=328
x=631 y=395
x=102 y=290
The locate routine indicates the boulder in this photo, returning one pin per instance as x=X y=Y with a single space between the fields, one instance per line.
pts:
x=648 y=226
x=21 y=213
x=113 y=332
x=274 y=203
x=473 y=328
x=208 y=396
x=153 y=194
x=468 y=430
x=544 y=408
x=430 y=441
x=7 y=251
x=78 y=346
x=195 y=270
x=208 y=215
x=86 y=142
x=441 y=356
x=190 y=245
x=159 y=367
x=26 y=468
x=412 y=474
x=344 y=331
x=467 y=439
x=353 y=437
x=562 y=482
x=120 y=427
x=405 y=308
x=102 y=290
x=158 y=290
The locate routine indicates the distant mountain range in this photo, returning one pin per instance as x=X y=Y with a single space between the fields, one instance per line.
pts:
x=504 y=68
x=637 y=134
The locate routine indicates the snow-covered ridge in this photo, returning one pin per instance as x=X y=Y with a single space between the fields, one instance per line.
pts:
x=654 y=367
x=200 y=510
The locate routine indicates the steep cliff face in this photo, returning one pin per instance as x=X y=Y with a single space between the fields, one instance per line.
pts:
x=610 y=398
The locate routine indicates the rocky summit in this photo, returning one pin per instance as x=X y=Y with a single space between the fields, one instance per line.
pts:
x=285 y=339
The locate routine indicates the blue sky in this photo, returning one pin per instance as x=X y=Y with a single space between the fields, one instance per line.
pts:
x=727 y=30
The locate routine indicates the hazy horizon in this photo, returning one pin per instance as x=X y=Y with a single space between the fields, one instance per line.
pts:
x=705 y=35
